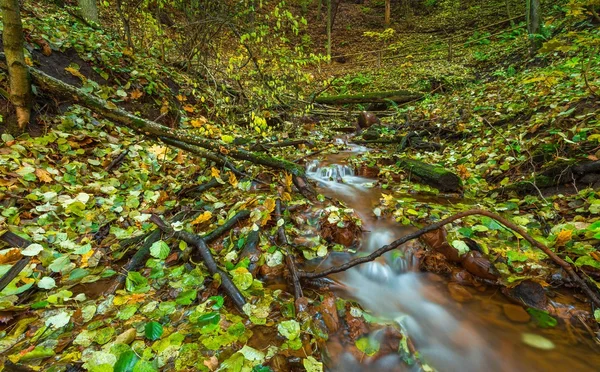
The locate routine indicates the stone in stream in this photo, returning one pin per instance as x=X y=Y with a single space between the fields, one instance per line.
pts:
x=366 y=119
x=528 y=293
x=516 y=313
x=459 y=293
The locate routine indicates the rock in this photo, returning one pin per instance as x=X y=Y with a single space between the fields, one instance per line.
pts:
x=528 y=293
x=437 y=241
x=481 y=267
x=329 y=312
x=371 y=134
x=459 y=293
x=516 y=313
x=366 y=119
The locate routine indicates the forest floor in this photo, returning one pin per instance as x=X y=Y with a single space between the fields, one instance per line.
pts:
x=82 y=189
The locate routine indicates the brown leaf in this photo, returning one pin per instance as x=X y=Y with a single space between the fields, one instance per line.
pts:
x=43 y=175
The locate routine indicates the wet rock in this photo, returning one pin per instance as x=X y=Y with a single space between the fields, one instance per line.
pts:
x=329 y=313
x=301 y=304
x=479 y=266
x=371 y=134
x=462 y=277
x=356 y=326
x=366 y=119
x=268 y=273
x=459 y=293
x=437 y=240
x=366 y=171
x=516 y=313
x=528 y=293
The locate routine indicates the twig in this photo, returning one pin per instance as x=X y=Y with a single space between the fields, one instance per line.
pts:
x=15 y=241
x=136 y=262
x=386 y=248
x=289 y=260
x=228 y=225
x=117 y=161
x=585 y=75
x=207 y=258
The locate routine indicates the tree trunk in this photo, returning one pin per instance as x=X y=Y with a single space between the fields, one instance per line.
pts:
x=388 y=11
x=89 y=10
x=329 y=29
x=155 y=130
x=398 y=96
x=18 y=72
x=534 y=24
x=431 y=175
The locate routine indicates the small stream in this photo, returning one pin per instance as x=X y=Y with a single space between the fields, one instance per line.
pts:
x=473 y=335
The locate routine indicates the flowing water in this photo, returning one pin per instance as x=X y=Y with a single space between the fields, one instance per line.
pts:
x=450 y=336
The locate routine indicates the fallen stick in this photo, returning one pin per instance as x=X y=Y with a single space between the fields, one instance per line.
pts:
x=18 y=242
x=117 y=161
x=414 y=235
x=136 y=262
x=289 y=260
x=207 y=258
x=309 y=155
x=228 y=225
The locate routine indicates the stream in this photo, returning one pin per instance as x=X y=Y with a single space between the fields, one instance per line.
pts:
x=470 y=335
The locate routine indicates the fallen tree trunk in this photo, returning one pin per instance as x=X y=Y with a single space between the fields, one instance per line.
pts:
x=431 y=175
x=155 y=130
x=558 y=173
x=397 y=96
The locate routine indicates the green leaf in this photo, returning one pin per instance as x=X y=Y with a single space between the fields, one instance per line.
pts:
x=153 y=331
x=368 y=345
x=542 y=318
x=186 y=297
x=587 y=261
x=47 y=283
x=461 y=246
x=160 y=250
x=312 y=365
x=207 y=319
x=537 y=341
x=242 y=278
x=289 y=329
x=126 y=361
x=136 y=283
x=217 y=302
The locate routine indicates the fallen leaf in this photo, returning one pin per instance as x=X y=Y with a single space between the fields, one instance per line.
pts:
x=207 y=215
x=563 y=237
x=43 y=175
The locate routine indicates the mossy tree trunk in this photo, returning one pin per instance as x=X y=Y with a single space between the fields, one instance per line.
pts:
x=534 y=24
x=155 y=130
x=388 y=12
x=88 y=10
x=18 y=72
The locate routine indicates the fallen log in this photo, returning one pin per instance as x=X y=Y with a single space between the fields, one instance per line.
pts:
x=208 y=259
x=558 y=173
x=397 y=96
x=431 y=175
x=152 y=129
x=289 y=259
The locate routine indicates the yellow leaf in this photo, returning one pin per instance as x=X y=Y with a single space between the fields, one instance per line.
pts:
x=232 y=179
x=85 y=258
x=157 y=150
x=387 y=199
x=43 y=175
x=288 y=180
x=164 y=108
x=563 y=237
x=75 y=73
x=199 y=122
x=128 y=52
x=188 y=108
x=181 y=98
x=269 y=205
x=286 y=196
x=202 y=218
x=215 y=172
x=136 y=94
